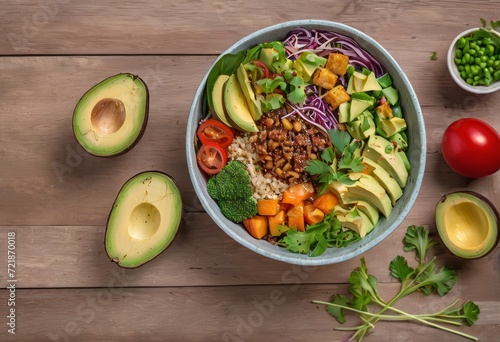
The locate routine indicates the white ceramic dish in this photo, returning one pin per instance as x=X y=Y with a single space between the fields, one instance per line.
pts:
x=416 y=154
x=455 y=73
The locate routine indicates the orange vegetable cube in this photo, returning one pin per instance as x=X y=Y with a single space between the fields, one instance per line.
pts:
x=325 y=78
x=275 y=221
x=326 y=202
x=296 y=217
x=337 y=96
x=312 y=214
x=268 y=207
x=297 y=193
x=257 y=226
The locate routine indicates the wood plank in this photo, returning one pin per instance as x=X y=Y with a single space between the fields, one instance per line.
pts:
x=203 y=255
x=238 y=313
x=218 y=314
x=44 y=169
x=209 y=27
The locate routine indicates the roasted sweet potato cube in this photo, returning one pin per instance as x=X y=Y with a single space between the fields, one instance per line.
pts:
x=337 y=63
x=325 y=78
x=384 y=111
x=337 y=96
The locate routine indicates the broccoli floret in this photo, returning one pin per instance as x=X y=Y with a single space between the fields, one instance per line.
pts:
x=232 y=190
x=232 y=182
x=239 y=209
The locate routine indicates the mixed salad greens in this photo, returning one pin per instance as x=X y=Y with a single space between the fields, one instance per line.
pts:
x=327 y=81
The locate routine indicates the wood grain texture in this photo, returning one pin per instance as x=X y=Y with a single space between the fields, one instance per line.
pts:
x=241 y=313
x=205 y=287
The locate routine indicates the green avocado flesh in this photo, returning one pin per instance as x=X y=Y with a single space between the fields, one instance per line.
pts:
x=111 y=117
x=467 y=224
x=144 y=219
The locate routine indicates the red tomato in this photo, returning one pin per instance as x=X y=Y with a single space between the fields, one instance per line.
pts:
x=211 y=158
x=213 y=131
x=471 y=147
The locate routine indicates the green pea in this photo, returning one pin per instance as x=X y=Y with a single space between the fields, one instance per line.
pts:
x=469 y=80
x=490 y=49
x=479 y=42
x=461 y=68
x=482 y=65
x=483 y=58
x=496 y=64
x=487 y=73
x=472 y=52
x=458 y=53
x=488 y=81
x=467 y=57
x=489 y=62
x=463 y=74
x=467 y=68
x=480 y=52
x=461 y=42
x=490 y=69
x=496 y=75
x=477 y=60
x=472 y=45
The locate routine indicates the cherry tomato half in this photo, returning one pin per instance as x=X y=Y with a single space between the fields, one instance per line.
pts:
x=263 y=68
x=213 y=131
x=471 y=147
x=211 y=158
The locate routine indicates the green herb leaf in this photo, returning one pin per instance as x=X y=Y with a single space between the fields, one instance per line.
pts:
x=297 y=242
x=471 y=312
x=442 y=282
x=417 y=238
x=340 y=139
x=335 y=311
x=434 y=56
x=400 y=269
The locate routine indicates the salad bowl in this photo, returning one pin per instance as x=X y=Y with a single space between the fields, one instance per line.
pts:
x=416 y=152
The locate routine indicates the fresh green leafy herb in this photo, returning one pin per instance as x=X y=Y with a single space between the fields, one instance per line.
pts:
x=318 y=237
x=336 y=161
x=424 y=278
x=434 y=56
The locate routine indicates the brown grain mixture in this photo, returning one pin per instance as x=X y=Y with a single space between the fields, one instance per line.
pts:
x=285 y=145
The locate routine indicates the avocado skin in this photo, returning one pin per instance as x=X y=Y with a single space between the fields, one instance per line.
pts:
x=142 y=129
x=488 y=203
x=111 y=258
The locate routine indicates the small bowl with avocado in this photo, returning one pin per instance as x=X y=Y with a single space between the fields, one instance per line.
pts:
x=392 y=205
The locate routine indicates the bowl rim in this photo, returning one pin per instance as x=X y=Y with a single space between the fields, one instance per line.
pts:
x=199 y=183
x=455 y=74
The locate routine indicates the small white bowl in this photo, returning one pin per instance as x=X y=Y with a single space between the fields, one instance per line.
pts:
x=455 y=73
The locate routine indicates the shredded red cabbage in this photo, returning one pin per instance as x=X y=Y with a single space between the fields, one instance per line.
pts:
x=315 y=110
x=323 y=43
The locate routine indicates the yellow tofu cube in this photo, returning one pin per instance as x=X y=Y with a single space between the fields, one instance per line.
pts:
x=325 y=78
x=337 y=63
x=336 y=96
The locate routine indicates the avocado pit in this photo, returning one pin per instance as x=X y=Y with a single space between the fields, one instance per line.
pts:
x=108 y=115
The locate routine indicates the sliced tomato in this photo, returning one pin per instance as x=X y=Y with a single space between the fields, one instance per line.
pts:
x=263 y=68
x=211 y=158
x=213 y=131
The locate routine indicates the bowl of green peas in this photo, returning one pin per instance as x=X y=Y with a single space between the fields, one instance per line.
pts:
x=474 y=60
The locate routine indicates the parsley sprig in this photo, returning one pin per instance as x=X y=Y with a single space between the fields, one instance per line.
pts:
x=490 y=32
x=425 y=278
x=336 y=161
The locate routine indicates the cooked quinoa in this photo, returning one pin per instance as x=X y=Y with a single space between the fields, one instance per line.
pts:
x=265 y=186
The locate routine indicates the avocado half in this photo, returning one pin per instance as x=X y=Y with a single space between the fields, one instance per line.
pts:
x=468 y=224
x=144 y=219
x=111 y=117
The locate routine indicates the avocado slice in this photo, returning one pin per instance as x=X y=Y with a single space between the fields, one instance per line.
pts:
x=253 y=104
x=467 y=223
x=382 y=152
x=365 y=188
x=219 y=110
x=144 y=219
x=111 y=117
x=392 y=126
x=354 y=219
x=236 y=106
x=384 y=178
x=369 y=210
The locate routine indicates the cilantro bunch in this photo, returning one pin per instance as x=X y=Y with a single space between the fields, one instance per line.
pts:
x=318 y=237
x=336 y=161
x=425 y=278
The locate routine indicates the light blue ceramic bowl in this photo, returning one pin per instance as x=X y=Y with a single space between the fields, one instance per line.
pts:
x=416 y=154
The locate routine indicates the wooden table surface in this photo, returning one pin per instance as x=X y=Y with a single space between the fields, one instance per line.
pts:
x=205 y=287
